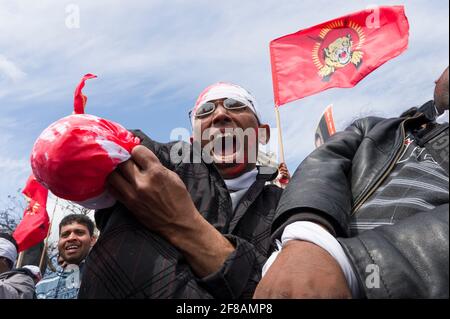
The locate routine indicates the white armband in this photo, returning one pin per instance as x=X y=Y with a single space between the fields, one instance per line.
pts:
x=313 y=233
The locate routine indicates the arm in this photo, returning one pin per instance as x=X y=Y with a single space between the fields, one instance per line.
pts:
x=159 y=199
x=319 y=192
x=226 y=266
x=405 y=260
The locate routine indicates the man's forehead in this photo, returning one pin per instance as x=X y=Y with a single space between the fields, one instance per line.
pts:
x=217 y=100
x=73 y=226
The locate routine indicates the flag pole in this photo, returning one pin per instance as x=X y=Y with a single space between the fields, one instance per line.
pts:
x=44 y=250
x=280 y=136
x=19 y=260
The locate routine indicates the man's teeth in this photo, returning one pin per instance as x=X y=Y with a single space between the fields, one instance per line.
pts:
x=225 y=135
x=72 y=247
x=224 y=144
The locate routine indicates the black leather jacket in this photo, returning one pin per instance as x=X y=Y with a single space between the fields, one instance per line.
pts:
x=337 y=178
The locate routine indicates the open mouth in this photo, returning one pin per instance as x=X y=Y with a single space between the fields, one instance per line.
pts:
x=72 y=248
x=226 y=148
x=344 y=57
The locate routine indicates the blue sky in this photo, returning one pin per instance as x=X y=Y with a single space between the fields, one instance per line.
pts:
x=153 y=58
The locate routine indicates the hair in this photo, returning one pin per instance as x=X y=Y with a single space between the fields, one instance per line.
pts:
x=9 y=238
x=80 y=219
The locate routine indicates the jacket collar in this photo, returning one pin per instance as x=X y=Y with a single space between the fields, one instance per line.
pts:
x=252 y=194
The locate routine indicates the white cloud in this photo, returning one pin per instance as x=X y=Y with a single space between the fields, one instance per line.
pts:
x=9 y=70
x=14 y=170
x=166 y=51
x=14 y=173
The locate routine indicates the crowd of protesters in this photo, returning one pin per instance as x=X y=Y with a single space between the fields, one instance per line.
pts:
x=364 y=216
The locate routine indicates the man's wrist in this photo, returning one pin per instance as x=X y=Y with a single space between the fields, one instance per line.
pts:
x=318 y=235
x=205 y=248
x=182 y=230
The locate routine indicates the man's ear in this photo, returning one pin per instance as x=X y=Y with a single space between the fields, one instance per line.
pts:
x=264 y=134
x=94 y=240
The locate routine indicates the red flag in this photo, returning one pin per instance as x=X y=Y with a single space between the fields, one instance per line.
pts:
x=325 y=128
x=80 y=100
x=35 y=223
x=337 y=53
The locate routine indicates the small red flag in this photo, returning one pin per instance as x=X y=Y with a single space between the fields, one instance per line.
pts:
x=35 y=222
x=337 y=53
x=326 y=128
x=80 y=99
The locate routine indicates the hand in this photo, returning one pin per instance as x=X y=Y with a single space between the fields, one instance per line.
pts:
x=155 y=195
x=303 y=270
x=283 y=171
x=283 y=174
x=158 y=198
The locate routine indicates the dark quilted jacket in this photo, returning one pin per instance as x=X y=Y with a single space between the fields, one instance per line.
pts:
x=129 y=261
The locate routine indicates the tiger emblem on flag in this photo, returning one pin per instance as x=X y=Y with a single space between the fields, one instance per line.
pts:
x=338 y=54
x=335 y=51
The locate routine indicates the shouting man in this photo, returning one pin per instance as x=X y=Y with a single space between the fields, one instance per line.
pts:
x=192 y=220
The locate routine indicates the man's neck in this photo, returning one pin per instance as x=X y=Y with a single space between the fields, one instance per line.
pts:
x=235 y=171
x=241 y=182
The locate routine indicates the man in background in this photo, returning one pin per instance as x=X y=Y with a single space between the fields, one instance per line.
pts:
x=14 y=283
x=76 y=238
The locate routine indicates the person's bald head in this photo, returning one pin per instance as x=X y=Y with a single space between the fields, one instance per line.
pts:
x=441 y=93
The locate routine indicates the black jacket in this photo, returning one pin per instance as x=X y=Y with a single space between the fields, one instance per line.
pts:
x=129 y=261
x=337 y=178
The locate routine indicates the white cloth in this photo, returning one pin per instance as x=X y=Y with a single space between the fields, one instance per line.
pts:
x=236 y=197
x=8 y=250
x=242 y=182
x=443 y=117
x=313 y=233
x=222 y=90
x=35 y=271
x=104 y=200
x=238 y=186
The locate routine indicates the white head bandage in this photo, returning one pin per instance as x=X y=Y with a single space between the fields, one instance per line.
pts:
x=8 y=250
x=223 y=90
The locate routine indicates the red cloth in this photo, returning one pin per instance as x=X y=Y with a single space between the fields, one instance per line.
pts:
x=337 y=53
x=80 y=99
x=35 y=223
x=74 y=155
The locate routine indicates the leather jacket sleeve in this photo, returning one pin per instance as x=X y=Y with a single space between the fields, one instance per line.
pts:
x=320 y=186
x=410 y=257
x=405 y=260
